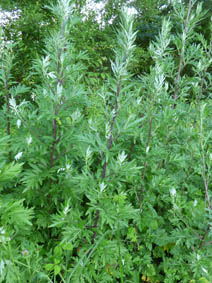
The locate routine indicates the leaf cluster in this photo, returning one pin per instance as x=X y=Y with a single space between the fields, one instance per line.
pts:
x=108 y=181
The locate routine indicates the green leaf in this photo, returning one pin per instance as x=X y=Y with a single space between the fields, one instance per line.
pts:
x=57 y=269
x=49 y=267
x=10 y=171
x=203 y=280
x=67 y=246
x=58 y=251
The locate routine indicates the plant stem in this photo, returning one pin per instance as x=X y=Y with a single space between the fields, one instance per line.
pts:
x=110 y=142
x=8 y=110
x=87 y=255
x=180 y=66
x=59 y=81
x=205 y=178
x=145 y=163
x=120 y=258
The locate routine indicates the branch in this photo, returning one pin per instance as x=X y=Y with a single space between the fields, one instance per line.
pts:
x=110 y=142
x=180 y=66
x=145 y=163
x=205 y=178
x=8 y=109
x=114 y=116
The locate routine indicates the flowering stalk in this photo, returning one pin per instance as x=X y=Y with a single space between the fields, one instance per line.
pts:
x=126 y=38
x=184 y=37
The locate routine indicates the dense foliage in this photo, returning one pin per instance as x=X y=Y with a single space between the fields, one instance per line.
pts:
x=106 y=176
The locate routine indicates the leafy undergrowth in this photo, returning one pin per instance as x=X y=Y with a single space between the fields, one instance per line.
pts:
x=115 y=185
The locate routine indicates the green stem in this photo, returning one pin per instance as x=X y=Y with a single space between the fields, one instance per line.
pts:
x=120 y=258
x=87 y=255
